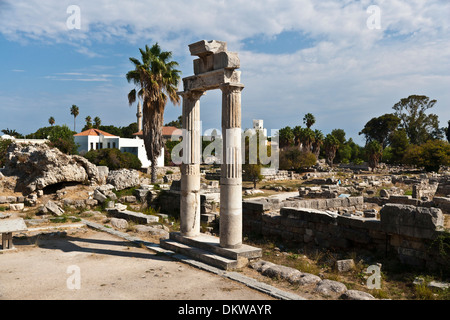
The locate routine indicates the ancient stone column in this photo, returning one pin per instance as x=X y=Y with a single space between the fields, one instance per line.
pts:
x=231 y=170
x=190 y=169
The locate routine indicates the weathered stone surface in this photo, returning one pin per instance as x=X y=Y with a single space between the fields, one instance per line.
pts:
x=328 y=287
x=261 y=265
x=128 y=199
x=304 y=279
x=345 y=265
x=53 y=208
x=204 y=47
x=356 y=295
x=99 y=196
x=38 y=166
x=418 y=222
x=119 y=223
x=133 y=216
x=103 y=172
x=123 y=179
x=16 y=206
x=159 y=231
x=281 y=272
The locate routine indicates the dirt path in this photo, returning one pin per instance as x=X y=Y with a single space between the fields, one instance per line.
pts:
x=46 y=267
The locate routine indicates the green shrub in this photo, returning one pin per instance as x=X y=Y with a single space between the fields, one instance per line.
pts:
x=114 y=159
x=4 y=144
x=293 y=158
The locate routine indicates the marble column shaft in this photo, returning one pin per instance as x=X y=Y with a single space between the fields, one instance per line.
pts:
x=231 y=169
x=190 y=169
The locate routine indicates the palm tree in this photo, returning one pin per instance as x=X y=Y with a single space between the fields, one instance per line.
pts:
x=318 y=142
x=88 y=120
x=75 y=112
x=97 y=122
x=156 y=81
x=286 y=137
x=309 y=120
x=51 y=120
x=331 y=145
x=374 y=151
x=307 y=139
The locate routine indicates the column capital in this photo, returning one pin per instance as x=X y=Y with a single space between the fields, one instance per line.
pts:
x=230 y=87
x=191 y=95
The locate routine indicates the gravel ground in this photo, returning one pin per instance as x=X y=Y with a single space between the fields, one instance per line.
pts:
x=50 y=267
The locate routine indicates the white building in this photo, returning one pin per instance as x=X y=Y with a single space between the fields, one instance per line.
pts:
x=94 y=139
x=25 y=141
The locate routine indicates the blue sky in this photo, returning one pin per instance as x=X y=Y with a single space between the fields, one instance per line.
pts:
x=297 y=56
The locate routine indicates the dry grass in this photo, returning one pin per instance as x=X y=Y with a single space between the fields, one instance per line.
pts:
x=396 y=282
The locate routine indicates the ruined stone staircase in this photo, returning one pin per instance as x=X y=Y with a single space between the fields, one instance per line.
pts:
x=207 y=249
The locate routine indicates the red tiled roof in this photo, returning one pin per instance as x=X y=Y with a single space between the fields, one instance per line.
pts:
x=166 y=131
x=94 y=132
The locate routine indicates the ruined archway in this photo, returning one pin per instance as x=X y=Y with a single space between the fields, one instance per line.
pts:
x=215 y=68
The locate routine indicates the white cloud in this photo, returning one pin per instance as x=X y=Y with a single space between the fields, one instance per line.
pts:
x=348 y=75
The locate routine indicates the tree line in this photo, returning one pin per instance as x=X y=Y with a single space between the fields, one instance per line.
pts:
x=408 y=136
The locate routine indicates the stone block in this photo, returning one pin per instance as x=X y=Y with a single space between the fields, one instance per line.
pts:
x=221 y=60
x=412 y=221
x=16 y=206
x=345 y=265
x=211 y=80
x=204 y=48
x=119 y=223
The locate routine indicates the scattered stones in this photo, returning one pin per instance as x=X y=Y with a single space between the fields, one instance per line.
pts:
x=123 y=179
x=253 y=192
x=372 y=213
x=156 y=230
x=16 y=206
x=119 y=223
x=281 y=272
x=304 y=279
x=439 y=285
x=345 y=265
x=53 y=208
x=328 y=287
x=356 y=295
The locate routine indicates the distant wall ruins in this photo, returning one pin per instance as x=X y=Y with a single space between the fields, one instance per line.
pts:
x=406 y=231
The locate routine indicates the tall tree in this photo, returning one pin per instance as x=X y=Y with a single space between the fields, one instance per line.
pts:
x=156 y=81
x=330 y=145
x=419 y=126
x=297 y=131
x=286 y=137
x=97 y=122
x=380 y=128
x=75 y=111
x=51 y=120
x=309 y=120
x=88 y=125
x=399 y=142
x=318 y=142
x=447 y=132
x=374 y=153
x=307 y=139
x=176 y=123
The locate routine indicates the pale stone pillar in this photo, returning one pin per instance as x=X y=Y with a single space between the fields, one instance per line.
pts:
x=190 y=169
x=231 y=170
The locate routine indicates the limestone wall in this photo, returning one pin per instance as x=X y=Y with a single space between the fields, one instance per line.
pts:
x=405 y=231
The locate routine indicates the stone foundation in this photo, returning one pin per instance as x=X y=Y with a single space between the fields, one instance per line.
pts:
x=407 y=232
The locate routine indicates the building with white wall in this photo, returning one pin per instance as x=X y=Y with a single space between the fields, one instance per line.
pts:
x=94 y=139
